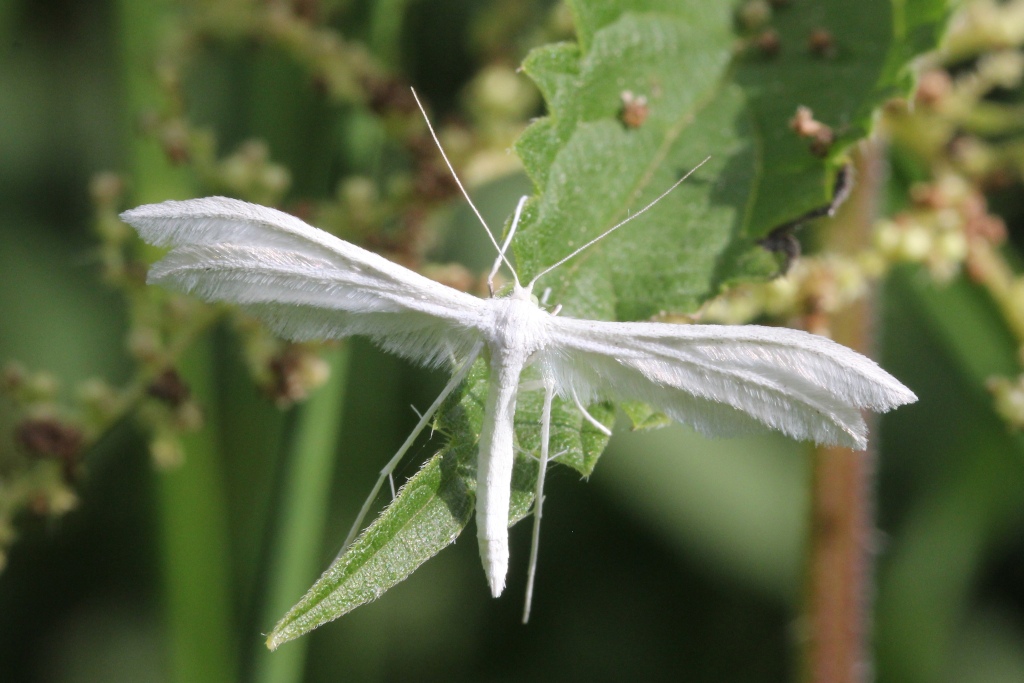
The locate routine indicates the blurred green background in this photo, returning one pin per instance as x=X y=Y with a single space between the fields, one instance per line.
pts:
x=680 y=559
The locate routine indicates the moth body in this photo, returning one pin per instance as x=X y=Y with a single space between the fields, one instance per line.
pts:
x=518 y=329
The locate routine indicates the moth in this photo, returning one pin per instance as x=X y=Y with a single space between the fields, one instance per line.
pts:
x=307 y=284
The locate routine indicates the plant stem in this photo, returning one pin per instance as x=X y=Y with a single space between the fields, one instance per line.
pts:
x=297 y=541
x=195 y=560
x=838 y=592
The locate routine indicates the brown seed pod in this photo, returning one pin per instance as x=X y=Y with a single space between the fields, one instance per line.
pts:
x=170 y=388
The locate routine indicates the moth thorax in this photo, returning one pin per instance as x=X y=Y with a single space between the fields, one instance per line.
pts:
x=518 y=326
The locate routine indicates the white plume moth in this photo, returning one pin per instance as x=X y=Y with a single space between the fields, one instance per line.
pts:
x=307 y=284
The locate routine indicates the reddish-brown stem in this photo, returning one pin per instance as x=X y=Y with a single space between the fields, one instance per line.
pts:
x=838 y=592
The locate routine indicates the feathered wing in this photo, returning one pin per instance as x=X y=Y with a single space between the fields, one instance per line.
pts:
x=305 y=283
x=724 y=379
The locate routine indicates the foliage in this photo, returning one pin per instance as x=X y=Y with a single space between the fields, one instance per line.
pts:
x=592 y=168
x=302 y=105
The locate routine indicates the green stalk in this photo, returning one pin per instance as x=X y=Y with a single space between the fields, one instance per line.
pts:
x=196 y=560
x=298 y=539
x=386 y=30
x=192 y=509
x=142 y=26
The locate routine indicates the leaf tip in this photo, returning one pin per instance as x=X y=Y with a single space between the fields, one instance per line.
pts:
x=275 y=639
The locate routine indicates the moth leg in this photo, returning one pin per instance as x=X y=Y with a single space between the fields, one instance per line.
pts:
x=538 y=501
x=531 y=456
x=420 y=416
x=558 y=455
x=385 y=474
x=588 y=417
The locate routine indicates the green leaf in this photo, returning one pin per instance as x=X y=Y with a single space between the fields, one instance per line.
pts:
x=874 y=42
x=705 y=97
x=429 y=513
x=435 y=505
x=591 y=170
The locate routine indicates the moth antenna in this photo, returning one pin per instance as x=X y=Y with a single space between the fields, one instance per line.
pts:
x=385 y=473
x=538 y=501
x=504 y=248
x=588 y=417
x=619 y=224
x=448 y=163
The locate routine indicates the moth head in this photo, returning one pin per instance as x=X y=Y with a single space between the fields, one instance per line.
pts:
x=524 y=293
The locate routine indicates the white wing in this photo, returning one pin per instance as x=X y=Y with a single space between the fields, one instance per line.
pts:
x=305 y=283
x=726 y=379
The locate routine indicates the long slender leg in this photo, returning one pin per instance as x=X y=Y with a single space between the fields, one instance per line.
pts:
x=538 y=501
x=385 y=473
x=588 y=417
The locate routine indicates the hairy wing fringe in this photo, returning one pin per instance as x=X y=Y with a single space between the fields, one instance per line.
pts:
x=414 y=336
x=219 y=220
x=303 y=298
x=714 y=402
x=800 y=384
x=221 y=223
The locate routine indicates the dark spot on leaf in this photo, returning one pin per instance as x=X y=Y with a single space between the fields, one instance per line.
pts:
x=822 y=43
x=768 y=43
